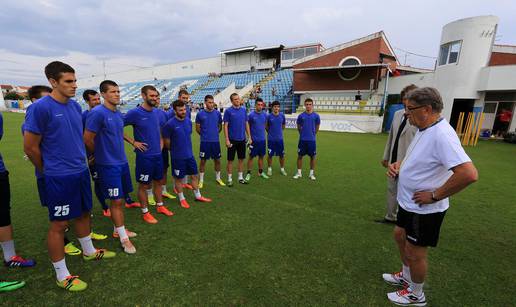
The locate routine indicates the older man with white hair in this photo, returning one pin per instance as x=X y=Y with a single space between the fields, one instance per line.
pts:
x=435 y=167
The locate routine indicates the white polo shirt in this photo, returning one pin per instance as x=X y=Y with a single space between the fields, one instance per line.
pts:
x=426 y=167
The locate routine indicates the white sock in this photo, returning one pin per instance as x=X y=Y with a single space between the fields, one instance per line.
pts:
x=197 y=193
x=217 y=175
x=283 y=169
x=269 y=169
x=240 y=176
x=163 y=189
x=61 y=269
x=122 y=233
x=159 y=204
x=406 y=273
x=8 y=248
x=299 y=172
x=149 y=193
x=87 y=246
x=145 y=210
x=311 y=172
x=417 y=289
x=201 y=177
x=181 y=196
x=230 y=177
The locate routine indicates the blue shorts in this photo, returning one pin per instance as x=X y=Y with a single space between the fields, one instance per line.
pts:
x=257 y=148
x=148 y=168
x=209 y=150
x=166 y=157
x=306 y=148
x=67 y=197
x=115 y=180
x=93 y=172
x=40 y=182
x=183 y=167
x=276 y=148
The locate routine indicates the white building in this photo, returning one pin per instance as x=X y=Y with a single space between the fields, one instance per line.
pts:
x=472 y=73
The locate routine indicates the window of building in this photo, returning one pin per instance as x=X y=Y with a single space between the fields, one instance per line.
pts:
x=286 y=55
x=449 y=53
x=310 y=51
x=299 y=53
x=350 y=73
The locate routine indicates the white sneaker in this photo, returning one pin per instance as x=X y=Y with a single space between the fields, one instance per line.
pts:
x=269 y=172
x=297 y=176
x=406 y=297
x=311 y=177
x=128 y=246
x=395 y=279
x=283 y=172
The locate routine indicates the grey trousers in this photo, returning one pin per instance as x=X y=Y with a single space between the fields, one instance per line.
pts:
x=392 y=202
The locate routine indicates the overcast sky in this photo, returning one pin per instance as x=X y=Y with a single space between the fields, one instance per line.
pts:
x=128 y=34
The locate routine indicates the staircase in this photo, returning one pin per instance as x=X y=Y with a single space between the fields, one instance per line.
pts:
x=261 y=83
x=204 y=85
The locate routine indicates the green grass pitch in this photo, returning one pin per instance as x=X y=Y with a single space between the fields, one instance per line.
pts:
x=280 y=242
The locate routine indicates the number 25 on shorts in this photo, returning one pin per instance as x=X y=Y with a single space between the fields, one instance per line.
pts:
x=62 y=210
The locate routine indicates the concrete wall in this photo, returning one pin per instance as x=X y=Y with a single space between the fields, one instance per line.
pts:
x=497 y=78
x=176 y=70
x=460 y=79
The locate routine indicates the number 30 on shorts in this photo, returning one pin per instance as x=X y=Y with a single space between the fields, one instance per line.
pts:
x=62 y=210
x=113 y=192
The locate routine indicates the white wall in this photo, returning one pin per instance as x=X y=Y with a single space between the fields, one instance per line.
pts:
x=396 y=84
x=497 y=78
x=460 y=80
x=176 y=70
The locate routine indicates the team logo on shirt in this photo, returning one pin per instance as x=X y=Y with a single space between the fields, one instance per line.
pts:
x=176 y=171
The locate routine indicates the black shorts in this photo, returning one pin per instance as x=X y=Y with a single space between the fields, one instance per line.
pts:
x=420 y=229
x=238 y=148
x=5 y=200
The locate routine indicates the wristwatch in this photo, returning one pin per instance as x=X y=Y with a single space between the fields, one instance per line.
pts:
x=433 y=197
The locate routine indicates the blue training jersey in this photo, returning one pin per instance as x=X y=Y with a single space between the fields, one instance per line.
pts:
x=257 y=122
x=180 y=134
x=275 y=124
x=109 y=139
x=60 y=128
x=308 y=123
x=146 y=129
x=236 y=118
x=209 y=122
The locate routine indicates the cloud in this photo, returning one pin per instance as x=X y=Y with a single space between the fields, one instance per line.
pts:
x=167 y=31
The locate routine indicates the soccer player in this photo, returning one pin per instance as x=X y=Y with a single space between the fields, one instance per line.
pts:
x=35 y=93
x=208 y=124
x=163 y=118
x=149 y=162
x=184 y=96
x=435 y=167
x=275 y=126
x=11 y=259
x=104 y=139
x=308 y=124
x=256 y=121
x=53 y=142
x=92 y=98
x=177 y=134
x=235 y=129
